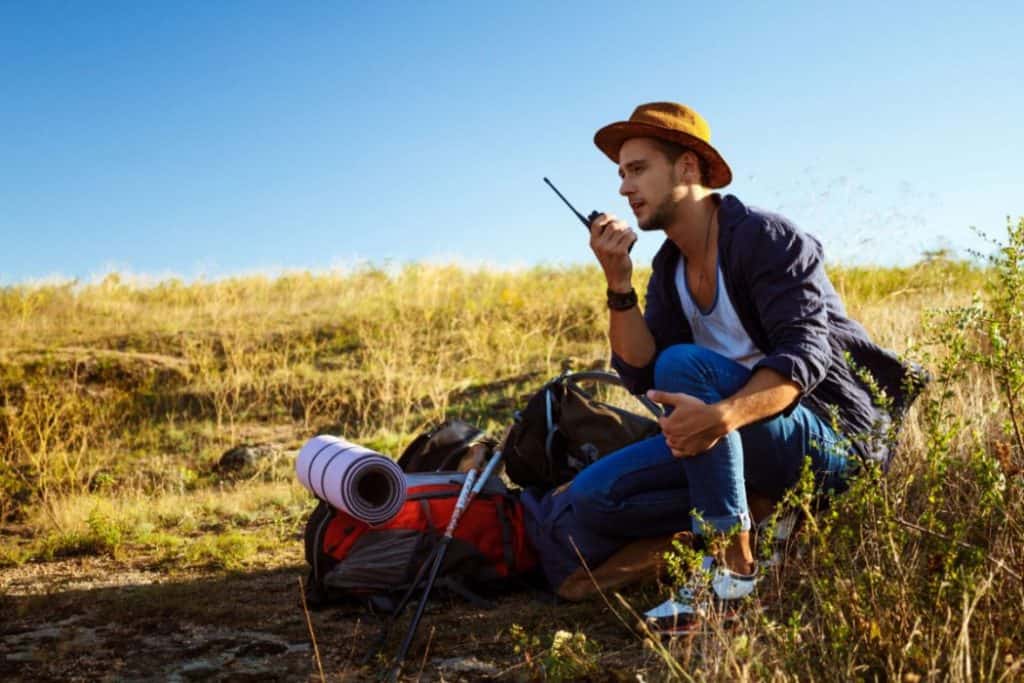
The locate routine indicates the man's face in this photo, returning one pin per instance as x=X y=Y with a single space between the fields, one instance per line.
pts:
x=649 y=182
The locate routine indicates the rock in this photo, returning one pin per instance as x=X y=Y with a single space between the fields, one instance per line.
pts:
x=244 y=457
x=199 y=669
x=46 y=633
x=24 y=656
x=261 y=648
x=468 y=665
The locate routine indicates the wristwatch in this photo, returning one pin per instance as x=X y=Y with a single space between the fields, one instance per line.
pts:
x=622 y=301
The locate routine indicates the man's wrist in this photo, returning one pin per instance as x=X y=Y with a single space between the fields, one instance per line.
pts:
x=618 y=301
x=624 y=287
x=729 y=418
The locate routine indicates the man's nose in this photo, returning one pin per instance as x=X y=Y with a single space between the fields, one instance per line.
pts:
x=626 y=187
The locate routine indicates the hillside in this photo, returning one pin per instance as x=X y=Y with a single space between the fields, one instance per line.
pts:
x=128 y=550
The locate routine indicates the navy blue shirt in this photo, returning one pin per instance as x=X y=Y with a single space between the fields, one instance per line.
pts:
x=775 y=276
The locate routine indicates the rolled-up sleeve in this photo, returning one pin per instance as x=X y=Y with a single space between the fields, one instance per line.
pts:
x=636 y=380
x=788 y=286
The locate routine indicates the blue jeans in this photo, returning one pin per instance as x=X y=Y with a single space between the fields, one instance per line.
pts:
x=643 y=490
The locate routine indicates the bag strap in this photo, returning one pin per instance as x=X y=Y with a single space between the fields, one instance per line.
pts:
x=506 y=535
x=427 y=514
x=315 y=556
x=549 y=415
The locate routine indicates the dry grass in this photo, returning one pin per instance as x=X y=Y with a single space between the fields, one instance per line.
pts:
x=117 y=399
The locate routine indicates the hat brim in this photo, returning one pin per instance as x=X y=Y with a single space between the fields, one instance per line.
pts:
x=610 y=138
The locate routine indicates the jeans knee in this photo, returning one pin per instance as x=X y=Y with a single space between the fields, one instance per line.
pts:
x=677 y=365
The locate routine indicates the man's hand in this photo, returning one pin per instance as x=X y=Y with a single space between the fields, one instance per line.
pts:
x=693 y=427
x=610 y=240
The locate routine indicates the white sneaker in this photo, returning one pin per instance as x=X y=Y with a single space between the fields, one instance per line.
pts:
x=728 y=585
x=672 y=612
x=679 y=615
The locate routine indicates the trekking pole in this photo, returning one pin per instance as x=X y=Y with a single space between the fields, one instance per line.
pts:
x=428 y=561
x=417 y=581
x=470 y=489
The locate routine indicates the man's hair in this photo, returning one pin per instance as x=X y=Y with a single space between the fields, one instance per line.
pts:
x=673 y=151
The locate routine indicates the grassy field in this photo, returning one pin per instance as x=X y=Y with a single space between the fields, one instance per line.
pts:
x=117 y=401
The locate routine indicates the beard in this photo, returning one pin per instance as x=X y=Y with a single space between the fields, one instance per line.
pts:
x=663 y=214
x=660 y=218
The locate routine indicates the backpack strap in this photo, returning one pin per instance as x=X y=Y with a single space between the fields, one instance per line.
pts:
x=319 y=562
x=428 y=544
x=549 y=414
x=506 y=535
x=427 y=514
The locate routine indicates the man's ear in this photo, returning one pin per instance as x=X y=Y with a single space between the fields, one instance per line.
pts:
x=688 y=167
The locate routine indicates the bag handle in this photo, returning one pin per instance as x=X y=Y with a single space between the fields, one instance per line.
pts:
x=603 y=376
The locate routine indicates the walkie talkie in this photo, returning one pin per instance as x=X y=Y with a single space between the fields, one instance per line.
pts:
x=585 y=221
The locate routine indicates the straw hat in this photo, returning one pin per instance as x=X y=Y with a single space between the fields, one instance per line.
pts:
x=668 y=121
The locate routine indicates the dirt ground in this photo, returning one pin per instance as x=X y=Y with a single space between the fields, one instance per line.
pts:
x=89 y=619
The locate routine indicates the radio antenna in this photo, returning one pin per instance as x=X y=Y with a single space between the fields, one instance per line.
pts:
x=572 y=208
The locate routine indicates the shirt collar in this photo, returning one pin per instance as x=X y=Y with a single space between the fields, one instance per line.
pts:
x=731 y=211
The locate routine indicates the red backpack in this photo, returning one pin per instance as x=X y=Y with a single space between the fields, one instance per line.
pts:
x=350 y=559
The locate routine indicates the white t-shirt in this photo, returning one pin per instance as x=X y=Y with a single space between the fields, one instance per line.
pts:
x=718 y=329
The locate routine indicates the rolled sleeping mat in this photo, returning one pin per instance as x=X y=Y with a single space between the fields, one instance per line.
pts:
x=365 y=484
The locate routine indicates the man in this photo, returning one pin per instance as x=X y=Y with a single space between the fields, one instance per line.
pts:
x=743 y=339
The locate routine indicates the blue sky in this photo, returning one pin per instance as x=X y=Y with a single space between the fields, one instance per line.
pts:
x=210 y=138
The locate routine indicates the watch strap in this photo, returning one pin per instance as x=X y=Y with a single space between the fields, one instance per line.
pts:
x=622 y=301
